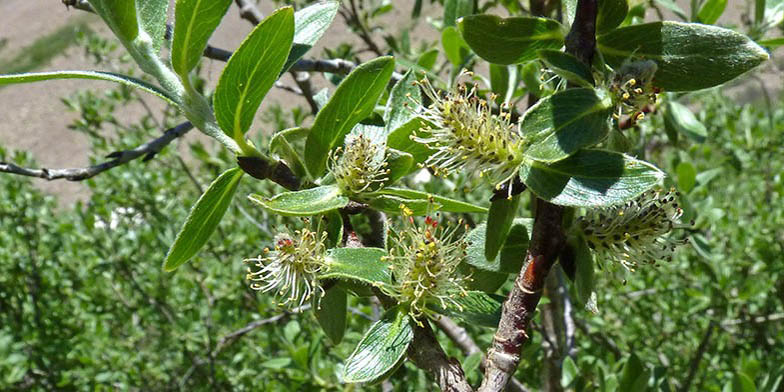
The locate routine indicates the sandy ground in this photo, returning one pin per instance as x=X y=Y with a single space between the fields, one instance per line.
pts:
x=32 y=117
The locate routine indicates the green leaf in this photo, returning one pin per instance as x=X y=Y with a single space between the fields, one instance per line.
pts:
x=251 y=71
x=499 y=79
x=483 y=280
x=96 y=75
x=398 y=111
x=381 y=349
x=510 y=259
x=447 y=204
x=456 y=49
x=456 y=9
x=400 y=139
x=680 y=119
x=689 y=56
x=590 y=178
x=773 y=42
x=152 y=15
x=634 y=376
x=310 y=23
x=569 y=372
x=510 y=40
x=303 y=203
x=280 y=144
x=499 y=222
x=364 y=265
x=742 y=383
x=568 y=67
x=560 y=124
x=120 y=15
x=711 y=11
x=687 y=176
x=584 y=270
x=399 y=164
x=203 y=219
x=354 y=99
x=276 y=363
x=331 y=314
x=475 y=308
x=391 y=205
x=194 y=23
x=611 y=14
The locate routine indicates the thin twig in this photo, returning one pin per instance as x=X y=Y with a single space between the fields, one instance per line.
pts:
x=694 y=364
x=249 y=12
x=147 y=150
x=546 y=242
x=462 y=339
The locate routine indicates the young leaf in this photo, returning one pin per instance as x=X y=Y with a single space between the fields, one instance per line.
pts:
x=584 y=275
x=560 y=124
x=711 y=11
x=456 y=9
x=398 y=111
x=97 y=75
x=120 y=15
x=331 y=314
x=381 y=349
x=303 y=203
x=509 y=260
x=475 y=308
x=447 y=204
x=400 y=139
x=399 y=164
x=456 y=49
x=152 y=15
x=499 y=222
x=354 y=99
x=310 y=23
x=689 y=56
x=203 y=219
x=590 y=178
x=280 y=144
x=364 y=265
x=568 y=67
x=611 y=14
x=511 y=40
x=680 y=119
x=251 y=71
x=391 y=205
x=194 y=23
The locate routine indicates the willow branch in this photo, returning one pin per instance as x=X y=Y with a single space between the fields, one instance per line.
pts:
x=249 y=12
x=146 y=150
x=546 y=241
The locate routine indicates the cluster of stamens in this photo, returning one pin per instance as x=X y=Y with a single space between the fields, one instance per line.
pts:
x=292 y=268
x=637 y=232
x=424 y=262
x=467 y=135
x=633 y=89
x=359 y=167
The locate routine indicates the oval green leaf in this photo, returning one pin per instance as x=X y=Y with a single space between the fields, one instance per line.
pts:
x=120 y=16
x=447 y=204
x=381 y=349
x=303 y=203
x=499 y=222
x=194 y=23
x=475 y=308
x=590 y=178
x=510 y=40
x=510 y=259
x=568 y=67
x=152 y=15
x=679 y=118
x=331 y=313
x=689 y=56
x=365 y=265
x=251 y=71
x=611 y=14
x=203 y=219
x=398 y=111
x=399 y=164
x=310 y=23
x=96 y=75
x=392 y=205
x=560 y=124
x=354 y=99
